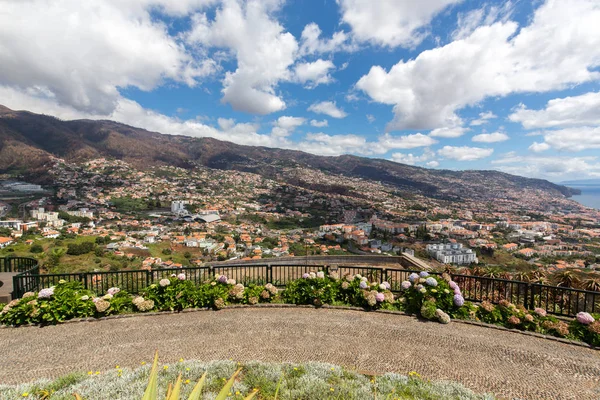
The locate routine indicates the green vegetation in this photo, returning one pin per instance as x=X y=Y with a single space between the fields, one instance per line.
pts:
x=128 y=204
x=307 y=381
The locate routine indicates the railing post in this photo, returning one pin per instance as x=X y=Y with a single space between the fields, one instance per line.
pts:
x=525 y=296
x=148 y=277
x=16 y=288
x=384 y=275
x=269 y=273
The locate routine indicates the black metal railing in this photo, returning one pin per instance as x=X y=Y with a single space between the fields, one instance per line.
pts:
x=17 y=264
x=554 y=299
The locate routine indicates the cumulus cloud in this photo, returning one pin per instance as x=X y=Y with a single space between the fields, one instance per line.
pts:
x=328 y=108
x=484 y=118
x=491 y=137
x=264 y=52
x=311 y=41
x=285 y=126
x=539 y=147
x=413 y=159
x=549 y=167
x=390 y=23
x=573 y=139
x=80 y=53
x=314 y=73
x=563 y=112
x=319 y=124
x=464 y=153
x=557 y=49
x=449 y=132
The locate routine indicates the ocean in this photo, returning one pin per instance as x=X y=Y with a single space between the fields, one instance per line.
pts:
x=590 y=195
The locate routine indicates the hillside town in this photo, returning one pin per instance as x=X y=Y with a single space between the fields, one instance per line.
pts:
x=171 y=217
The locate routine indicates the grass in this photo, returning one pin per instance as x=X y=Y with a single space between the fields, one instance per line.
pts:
x=310 y=381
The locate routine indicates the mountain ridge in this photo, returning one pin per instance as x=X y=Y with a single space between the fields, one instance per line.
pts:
x=28 y=140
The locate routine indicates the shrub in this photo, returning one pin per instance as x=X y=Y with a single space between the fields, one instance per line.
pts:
x=312 y=288
x=36 y=248
x=433 y=292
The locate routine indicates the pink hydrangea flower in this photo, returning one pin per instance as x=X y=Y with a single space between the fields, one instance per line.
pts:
x=181 y=277
x=585 y=318
x=540 y=311
x=321 y=274
x=380 y=297
x=405 y=285
x=113 y=290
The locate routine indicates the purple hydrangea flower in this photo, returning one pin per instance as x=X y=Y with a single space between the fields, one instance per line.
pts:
x=413 y=277
x=380 y=297
x=222 y=279
x=453 y=285
x=457 y=291
x=405 y=285
x=419 y=287
x=431 y=282
x=46 y=293
x=385 y=285
x=582 y=317
x=305 y=275
x=423 y=274
x=363 y=285
x=459 y=300
x=181 y=277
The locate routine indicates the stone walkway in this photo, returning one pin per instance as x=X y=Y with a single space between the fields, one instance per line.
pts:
x=486 y=360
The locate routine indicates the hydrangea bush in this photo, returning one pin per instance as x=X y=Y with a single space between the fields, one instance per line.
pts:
x=428 y=296
x=432 y=297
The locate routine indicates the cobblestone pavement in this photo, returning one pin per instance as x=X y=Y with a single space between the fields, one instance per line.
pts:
x=486 y=360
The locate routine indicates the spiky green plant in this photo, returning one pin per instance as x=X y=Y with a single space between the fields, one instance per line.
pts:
x=174 y=391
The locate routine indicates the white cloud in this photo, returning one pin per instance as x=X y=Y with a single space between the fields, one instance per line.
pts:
x=539 y=147
x=412 y=159
x=314 y=73
x=433 y=164
x=312 y=43
x=557 y=49
x=321 y=143
x=574 y=139
x=285 y=126
x=81 y=52
x=464 y=153
x=563 y=112
x=327 y=108
x=555 y=168
x=449 y=132
x=487 y=15
x=370 y=118
x=390 y=23
x=491 y=137
x=388 y=142
x=264 y=52
x=484 y=117
x=319 y=124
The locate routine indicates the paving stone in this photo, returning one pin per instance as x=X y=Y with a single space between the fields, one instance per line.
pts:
x=483 y=359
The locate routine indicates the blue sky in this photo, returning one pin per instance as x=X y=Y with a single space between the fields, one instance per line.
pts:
x=507 y=85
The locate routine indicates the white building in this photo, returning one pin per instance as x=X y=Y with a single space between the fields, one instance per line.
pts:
x=82 y=213
x=178 y=207
x=452 y=253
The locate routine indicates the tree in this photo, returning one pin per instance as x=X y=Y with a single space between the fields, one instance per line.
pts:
x=167 y=251
x=592 y=283
x=36 y=248
x=566 y=278
x=187 y=255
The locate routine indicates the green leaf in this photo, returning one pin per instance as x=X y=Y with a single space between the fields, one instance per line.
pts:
x=225 y=391
x=197 y=392
x=151 y=392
